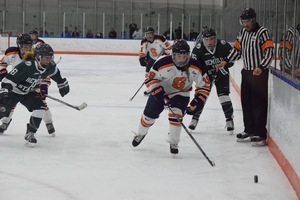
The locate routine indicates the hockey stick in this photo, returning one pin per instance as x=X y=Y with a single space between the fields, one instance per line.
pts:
x=58 y=60
x=137 y=91
x=212 y=163
x=80 y=107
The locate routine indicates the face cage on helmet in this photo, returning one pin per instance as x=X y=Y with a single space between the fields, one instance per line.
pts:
x=211 y=48
x=183 y=64
x=148 y=38
x=38 y=58
x=23 y=51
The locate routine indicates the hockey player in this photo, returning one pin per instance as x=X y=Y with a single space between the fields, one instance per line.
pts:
x=212 y=51
x=170 y=82
x=35 y=38
x=44 y=85
x=13 y=56
x=21 y=84
x=152 y=47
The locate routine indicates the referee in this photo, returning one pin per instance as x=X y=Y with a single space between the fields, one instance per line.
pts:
x=255 y=46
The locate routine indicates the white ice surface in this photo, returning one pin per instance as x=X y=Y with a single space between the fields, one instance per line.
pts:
x=91 y=157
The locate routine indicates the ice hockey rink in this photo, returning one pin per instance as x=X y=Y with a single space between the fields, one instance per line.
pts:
x=91 y=157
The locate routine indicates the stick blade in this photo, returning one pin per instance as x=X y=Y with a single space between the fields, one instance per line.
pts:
x=82 y=106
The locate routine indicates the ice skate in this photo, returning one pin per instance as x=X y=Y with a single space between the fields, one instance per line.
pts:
x=258 y=141
x=50 y=129
x=4 y=126
x=174 y=148
x=243 y=137
x=29 y=137
x=137 y=139
x=193 y=124
x=230 y=125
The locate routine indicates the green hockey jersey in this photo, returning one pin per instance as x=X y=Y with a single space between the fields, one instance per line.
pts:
x=26 y=77
x=212 y=58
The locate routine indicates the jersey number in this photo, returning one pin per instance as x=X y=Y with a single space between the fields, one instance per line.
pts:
x=179 y=83
x=153 y=52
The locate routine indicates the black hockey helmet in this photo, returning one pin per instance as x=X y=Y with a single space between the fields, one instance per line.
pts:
x=180 y=47
x=248 y=13
x=43 y=50
x=34 y=31
x=24 y=38
x=150 y=37
x=149 y=29
x=208 y=32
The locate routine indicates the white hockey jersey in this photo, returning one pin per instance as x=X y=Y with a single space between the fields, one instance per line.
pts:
x=157 y=48
x=179 y=81
x=12 y=57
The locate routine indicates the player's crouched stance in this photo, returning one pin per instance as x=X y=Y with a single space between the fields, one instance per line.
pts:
x=21 y=85
x=170 y=82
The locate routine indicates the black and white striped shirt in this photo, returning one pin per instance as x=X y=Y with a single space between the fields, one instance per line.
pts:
x=256 y=48
x=291 y=35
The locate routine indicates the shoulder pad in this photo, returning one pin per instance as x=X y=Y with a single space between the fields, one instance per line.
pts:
x=11 y=50
x=144 y=40
x=198 y=65
x=160 y=37
x=162 y=62
x=39 y=41
x=198 y=45
x=28 y=63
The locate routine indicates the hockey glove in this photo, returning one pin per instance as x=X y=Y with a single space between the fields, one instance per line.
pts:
x=63 y=87
x=222 y=71
x=3 y=73
x=143 y=61
x=4 y=94
x=195 y=106
x=43 y=90
x=160 y=95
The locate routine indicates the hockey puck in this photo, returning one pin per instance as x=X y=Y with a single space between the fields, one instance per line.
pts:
x=255 y=179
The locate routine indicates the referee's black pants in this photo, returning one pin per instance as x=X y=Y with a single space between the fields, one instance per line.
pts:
x=254 y=97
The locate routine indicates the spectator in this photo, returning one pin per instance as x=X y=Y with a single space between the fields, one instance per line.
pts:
x=167 y=34
x=193 y=35
x=137 y=34
x=75 y=33
x=89 y=34
x=132 y=28
x=112 y=33
x=41 y=32
x=178 y=33
x=124 y=35
x=99 y=34
x=67 y=33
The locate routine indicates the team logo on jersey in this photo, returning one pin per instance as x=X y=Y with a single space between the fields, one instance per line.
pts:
x=223 y=42
x=194 y=73
x=198 y=45
x=2 y=109
x=28 y=63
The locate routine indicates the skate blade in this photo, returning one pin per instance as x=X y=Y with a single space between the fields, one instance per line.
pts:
x=244 y=140
x=174 y=155
x=259 y=144
x=52 y=134
x=29 y=144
